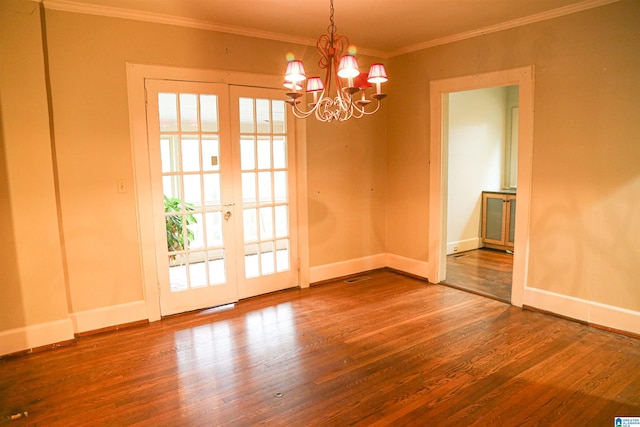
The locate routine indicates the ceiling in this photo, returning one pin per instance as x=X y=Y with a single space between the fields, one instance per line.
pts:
x=378 y=26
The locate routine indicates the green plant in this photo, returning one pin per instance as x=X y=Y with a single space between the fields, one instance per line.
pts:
x=176 y=228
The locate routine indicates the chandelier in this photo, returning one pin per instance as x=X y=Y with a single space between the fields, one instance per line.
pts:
x=337 y=58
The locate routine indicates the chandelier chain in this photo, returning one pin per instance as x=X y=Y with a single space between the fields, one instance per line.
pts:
x=332 y=27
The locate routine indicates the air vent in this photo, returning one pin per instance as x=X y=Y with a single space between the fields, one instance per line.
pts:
x=357 y=279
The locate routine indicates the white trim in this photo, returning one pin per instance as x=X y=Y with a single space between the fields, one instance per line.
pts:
x=408 y=265
x=464 y=245
x=159 y=18
x=591 y=312
x=104 y=317
x=346 y=268
x=531 y=19
x=438 y=162
x=40 y=335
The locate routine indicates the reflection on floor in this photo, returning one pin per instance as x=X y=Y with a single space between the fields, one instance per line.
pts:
x=483 y=271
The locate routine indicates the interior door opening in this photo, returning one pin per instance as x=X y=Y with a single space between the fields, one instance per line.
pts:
x=438 y=169
x=480 y=145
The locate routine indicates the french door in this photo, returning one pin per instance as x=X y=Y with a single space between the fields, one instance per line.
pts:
x=221 y=186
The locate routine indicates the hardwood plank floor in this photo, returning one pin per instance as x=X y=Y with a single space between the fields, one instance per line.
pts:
x=487 y=272
x=390 y=350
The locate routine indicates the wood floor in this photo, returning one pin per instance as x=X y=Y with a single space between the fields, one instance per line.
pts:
x=388 y=350
x=486 y=272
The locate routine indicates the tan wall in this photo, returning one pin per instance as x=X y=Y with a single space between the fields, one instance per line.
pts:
x=586 y=151
x=31 y=280
x=88 y=55
x=347 y=189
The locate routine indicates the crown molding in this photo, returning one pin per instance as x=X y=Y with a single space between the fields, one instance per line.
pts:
x=543 y=16
x=159 y=18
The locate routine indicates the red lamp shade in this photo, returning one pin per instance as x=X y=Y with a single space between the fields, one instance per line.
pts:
x=348 y=67
x=314 y=84
x=295 y=72
x=361 y=81
x=377 y=74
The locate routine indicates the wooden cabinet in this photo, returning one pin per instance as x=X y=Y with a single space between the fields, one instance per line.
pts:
x=498 y=219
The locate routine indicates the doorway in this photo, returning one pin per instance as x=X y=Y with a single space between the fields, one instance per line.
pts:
x=222 y=188
x=523 y=78
x=148 y=238
x=479 y=145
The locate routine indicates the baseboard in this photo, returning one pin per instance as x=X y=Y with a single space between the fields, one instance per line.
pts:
x=407 y=265
x=35 y=336
x=591 y=312
x=345 y=268
x=106 y=317
x=464 y=245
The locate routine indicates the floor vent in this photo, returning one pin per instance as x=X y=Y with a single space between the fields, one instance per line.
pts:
x=357 y=279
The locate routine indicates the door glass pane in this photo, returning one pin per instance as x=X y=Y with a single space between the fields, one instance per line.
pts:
x=171 y=186
x=195 y=231
x=192 y=189
x=197 y=270
x=263 y=115
x=209 y=113
x=280 y=186
x=282 y=221
x=278 y=116
x=251 y=266
x=279 y=153
x=188 y=112
x=217 y=272
x=246 y=115
x=178 y=273
x=250 y=225
x=210 y=153
x=212 y=189
x=282 y=255
x=266 y=223
x=267 y=258
x=247 y=153
x=190 y=154
x=214 y=229
x=174 y=226
x=249 y=187
x=170 y=153
x=168 y=112
x=264 y=187
x=264 y=152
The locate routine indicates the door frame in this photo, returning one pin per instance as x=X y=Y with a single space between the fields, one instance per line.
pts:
x=136 y=76
x=438 y=165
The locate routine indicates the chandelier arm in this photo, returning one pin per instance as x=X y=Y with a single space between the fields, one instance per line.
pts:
x=300 y=113
x=362 y=109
